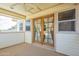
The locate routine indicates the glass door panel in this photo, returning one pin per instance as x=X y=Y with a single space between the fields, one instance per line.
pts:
x=50 y=19
x=37 y=30
x=48 y=25
x=45 y=28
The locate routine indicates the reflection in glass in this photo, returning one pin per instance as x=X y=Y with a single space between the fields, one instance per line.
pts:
x=8 y=24
x=27 y=25
x=48 y=26
x=37 y=30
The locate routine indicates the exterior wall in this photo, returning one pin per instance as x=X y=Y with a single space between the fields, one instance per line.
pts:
x=11 y=38
x=28 y=37
x=65 y=42
x=28 y=34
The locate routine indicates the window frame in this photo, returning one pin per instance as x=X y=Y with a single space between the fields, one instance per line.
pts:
x=13 y=18
x=69 y=20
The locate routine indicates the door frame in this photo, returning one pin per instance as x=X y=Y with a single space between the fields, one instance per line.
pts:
x=42 y=28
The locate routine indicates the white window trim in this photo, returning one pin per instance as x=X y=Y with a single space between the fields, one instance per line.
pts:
x=67 y=21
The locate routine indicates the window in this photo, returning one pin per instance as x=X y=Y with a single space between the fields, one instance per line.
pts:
x=67 y=26
x=67 y=15
x=66 y=20
x=19 y=25
x=27 y=25
x=8 y=24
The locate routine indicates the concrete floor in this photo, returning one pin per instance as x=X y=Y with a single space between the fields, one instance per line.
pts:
x=27 y=50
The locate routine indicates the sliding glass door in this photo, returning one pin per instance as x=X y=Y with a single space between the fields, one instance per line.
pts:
x=48 y=30
x=44 y=30
x=37 y=30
